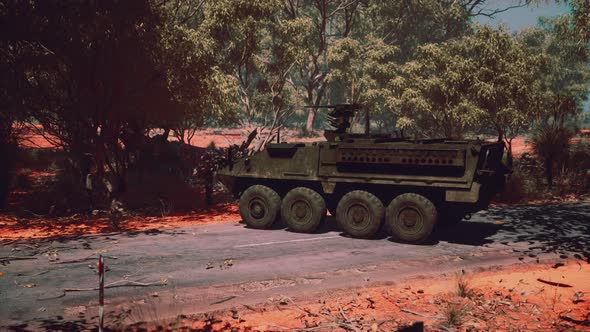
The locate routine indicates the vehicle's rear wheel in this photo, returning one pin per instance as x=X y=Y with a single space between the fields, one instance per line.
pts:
x=260 y=206
x=303 y=210
x=411 y=218
x=360 y=214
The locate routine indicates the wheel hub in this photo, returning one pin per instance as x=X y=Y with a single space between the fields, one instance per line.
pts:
x=300 y=209
x=358 y=214
x=257 y=209
x=410 y=218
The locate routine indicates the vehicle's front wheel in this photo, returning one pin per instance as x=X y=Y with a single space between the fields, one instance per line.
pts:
x=411 y=218
x=360 y=214
x=303 y=210
x=260 y=206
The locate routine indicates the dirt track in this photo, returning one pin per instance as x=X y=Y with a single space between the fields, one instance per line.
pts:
x=212 y=267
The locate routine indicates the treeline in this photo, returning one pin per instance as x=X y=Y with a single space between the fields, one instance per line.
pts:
x=98 y=75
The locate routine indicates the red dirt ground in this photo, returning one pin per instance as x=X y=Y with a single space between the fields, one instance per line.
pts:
x=521 y=145
x=537 y=297
x=13 y=228
x=31 y=138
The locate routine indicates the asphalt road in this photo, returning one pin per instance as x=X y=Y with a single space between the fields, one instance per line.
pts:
x=210 y=267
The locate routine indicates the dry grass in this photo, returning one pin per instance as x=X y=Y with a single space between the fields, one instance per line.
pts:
x=454 y=315
x=463 y=285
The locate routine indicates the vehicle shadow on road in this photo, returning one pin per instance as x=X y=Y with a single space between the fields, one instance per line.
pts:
x=471 y=233
x=561 y=228
x=329 y=225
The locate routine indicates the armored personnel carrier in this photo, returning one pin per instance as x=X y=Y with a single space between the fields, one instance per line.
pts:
x=365 y=180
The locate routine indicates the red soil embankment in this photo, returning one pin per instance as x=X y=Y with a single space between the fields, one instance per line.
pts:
x=523 y=298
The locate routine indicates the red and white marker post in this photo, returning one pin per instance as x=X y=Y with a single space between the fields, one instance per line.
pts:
x=100 y=293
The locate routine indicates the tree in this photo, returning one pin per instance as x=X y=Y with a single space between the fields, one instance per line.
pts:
x=281 y=52
x=236 y=29
x=360 y=72
x=97 y=75
x=409 y=24
x=9 y=89
x=567 y=76
x=327 y=20
x=579 y=28
x=432 y=99
x=505 y=83
x=218 y=107
x=564 y=84
x=7 y=146
x=551 y=143
x=484 y=80
x=258 y=44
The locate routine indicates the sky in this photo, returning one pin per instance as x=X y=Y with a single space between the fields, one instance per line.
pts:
x=519 y=18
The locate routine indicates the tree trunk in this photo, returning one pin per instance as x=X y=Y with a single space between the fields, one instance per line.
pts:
x=509 y=155
x=310 y=118
x=209 y=192
x=549 y=171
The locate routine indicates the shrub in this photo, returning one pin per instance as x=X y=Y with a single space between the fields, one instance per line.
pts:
x=7 y=159
x=454 y=315
x=23 y=179
x=6 y=171
x=463 y=285
x=515 y=188
x=579 y=158
x=551 y=143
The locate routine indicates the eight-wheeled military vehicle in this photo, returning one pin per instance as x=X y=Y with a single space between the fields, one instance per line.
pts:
x=364 y=180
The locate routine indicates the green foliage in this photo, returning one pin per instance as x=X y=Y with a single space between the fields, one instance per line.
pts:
x=432 y=99
x=362 y=68
x=484 y=79
x=410 y=24
x=570 y=175
x=567 y=76
x=551 y=143
x=238 y=30
x=98 y=74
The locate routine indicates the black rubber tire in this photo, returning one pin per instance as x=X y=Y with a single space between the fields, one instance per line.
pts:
x=420 y=214
x=260 y=206
x=363 y=206
x=303 y=210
